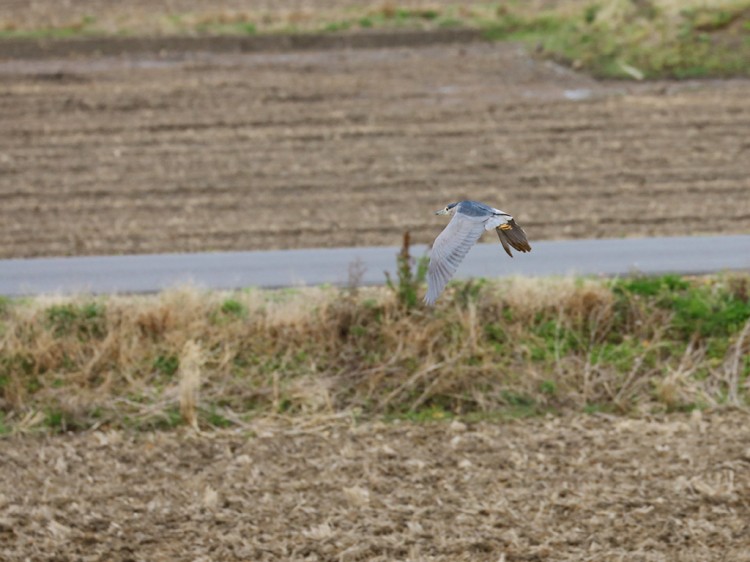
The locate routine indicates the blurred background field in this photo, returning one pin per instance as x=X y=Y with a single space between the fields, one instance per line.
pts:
x=614 y=38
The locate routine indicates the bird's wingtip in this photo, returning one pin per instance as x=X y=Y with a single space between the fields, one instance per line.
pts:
x=430 y=298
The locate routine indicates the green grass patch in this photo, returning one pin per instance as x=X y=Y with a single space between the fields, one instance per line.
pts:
x=625 y=39
x=81 y=320
x=707 y=309
x=234 y=308
x=650 y=286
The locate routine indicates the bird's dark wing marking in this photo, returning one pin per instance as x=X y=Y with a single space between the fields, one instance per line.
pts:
x=511 y=234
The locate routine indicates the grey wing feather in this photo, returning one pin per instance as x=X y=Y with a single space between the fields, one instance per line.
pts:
x=448 y=251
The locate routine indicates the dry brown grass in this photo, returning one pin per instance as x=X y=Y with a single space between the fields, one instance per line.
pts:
x=189 y=382
x=519 y=347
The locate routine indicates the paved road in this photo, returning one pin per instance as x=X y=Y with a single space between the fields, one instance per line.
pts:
x=228 y=270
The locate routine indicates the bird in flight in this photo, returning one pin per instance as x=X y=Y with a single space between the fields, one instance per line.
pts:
x=470 y=219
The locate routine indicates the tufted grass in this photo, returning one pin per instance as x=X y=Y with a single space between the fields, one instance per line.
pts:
x=510 y=348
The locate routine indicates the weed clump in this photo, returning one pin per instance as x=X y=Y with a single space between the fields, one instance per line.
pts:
x=411 y=275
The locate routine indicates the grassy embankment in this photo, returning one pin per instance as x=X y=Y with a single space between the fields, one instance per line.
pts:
x=500 y=349
x=608 y=38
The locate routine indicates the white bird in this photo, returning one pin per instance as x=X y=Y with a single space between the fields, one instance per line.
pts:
x=470 y=220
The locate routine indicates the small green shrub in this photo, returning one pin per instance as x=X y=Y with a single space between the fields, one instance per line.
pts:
x=233 y=307
x=708 y=312
x=84 y=320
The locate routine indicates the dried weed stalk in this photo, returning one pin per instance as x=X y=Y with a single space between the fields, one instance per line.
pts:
x=191 y=360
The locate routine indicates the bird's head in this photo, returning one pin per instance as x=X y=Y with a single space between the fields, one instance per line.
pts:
x=449 y=209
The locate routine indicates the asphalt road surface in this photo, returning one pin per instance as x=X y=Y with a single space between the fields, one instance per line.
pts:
x=285 y=268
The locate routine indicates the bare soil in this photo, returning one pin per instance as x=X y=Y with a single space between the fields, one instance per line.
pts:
x=321 y=148
x=575 y=488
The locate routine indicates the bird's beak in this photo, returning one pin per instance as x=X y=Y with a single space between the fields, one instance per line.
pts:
x=441 y=212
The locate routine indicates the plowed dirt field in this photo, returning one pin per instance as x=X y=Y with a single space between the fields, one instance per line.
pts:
x=577 y=488
x=351 y=147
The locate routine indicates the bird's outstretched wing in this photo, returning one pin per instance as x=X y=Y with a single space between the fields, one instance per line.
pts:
x=449 y=249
